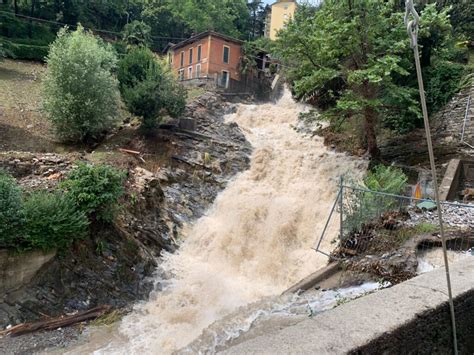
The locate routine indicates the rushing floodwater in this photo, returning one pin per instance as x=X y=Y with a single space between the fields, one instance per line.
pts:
x=254 y=242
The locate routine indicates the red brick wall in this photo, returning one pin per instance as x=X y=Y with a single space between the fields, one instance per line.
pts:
x=204 y=42
x=214 y=64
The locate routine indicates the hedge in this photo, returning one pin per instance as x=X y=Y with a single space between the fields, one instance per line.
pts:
x=26 y=51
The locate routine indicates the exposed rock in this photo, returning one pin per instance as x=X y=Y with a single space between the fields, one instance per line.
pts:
x=115 y=265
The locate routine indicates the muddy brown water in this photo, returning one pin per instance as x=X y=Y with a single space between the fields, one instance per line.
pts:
x=253 y=243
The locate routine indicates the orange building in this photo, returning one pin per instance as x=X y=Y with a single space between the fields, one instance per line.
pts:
x=208 y=55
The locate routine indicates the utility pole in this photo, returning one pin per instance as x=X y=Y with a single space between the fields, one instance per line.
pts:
x=412 y=20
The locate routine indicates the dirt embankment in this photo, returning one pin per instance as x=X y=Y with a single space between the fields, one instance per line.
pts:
x=173 y=180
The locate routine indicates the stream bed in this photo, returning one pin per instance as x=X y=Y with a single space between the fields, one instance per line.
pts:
x=252 y=244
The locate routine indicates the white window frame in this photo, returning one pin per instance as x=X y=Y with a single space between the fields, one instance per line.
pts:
x=182 y=59
x=198 y=71
x=191 y=55
x=190 y=72
x=223 y=55
x=181 y=74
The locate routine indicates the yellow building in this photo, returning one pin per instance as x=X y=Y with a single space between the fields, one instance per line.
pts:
x=282 y=11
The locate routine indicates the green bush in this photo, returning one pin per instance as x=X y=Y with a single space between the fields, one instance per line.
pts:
x=52 y=221
x=148 y=87
x=95 y=190
x=27 y=52
x=80 y=92
x=386 y=179
x=11 y=211
x=442 y=82
x=362 y=207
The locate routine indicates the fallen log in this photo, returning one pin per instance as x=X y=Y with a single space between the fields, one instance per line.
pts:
x=135 y=153
x=54 y=323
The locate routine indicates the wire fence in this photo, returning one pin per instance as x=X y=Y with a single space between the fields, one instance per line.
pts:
x=378 y=223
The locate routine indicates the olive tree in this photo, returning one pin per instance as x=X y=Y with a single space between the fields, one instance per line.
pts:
x=80 y=91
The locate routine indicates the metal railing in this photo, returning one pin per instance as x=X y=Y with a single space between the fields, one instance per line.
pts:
x=466 y=115
x=372 y=222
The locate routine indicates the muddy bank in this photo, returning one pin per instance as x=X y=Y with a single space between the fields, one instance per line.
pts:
x=180 y=176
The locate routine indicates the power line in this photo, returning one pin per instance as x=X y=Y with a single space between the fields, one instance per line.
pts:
x=38 y=19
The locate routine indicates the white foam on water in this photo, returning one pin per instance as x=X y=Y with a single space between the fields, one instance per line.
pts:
x=253 y=243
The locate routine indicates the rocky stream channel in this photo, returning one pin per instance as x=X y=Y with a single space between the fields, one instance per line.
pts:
x=209 y=240
x=115 y=267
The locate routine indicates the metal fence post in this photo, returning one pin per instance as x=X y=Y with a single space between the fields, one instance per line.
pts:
x=341 y=208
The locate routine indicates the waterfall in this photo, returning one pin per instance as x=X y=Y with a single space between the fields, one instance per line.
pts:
x=253 y=243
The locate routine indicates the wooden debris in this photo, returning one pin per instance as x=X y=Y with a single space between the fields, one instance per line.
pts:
x=135 y=153
x=54 y=323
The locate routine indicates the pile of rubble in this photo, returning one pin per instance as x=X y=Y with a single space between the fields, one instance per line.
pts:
x=37 y=171
x=455 y=215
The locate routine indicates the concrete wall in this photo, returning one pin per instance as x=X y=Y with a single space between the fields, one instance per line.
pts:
x=459 y=176
x=430 y=333
x=449 y=187
x=409 y=318
x=17 y=271
x=216 y=62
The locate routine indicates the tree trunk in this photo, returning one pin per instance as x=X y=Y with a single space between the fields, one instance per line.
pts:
x=370 y=122
x=15 y=4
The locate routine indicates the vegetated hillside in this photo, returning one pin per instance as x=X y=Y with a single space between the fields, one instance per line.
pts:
x=28 y=27
x=172 y=180
x=353 y=61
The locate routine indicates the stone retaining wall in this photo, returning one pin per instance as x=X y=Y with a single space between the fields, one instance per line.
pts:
x=448 y=122
x=17 y=271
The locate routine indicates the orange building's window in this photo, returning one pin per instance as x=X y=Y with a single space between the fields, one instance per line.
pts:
x=199 y=53
x=190 y=55
x=226 y=55
x=182 y=59
x=198 y=69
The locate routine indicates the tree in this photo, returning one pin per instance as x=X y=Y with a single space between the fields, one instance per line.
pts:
x=258 y=14
x=230 y=17
x=148 y=87
x=80 y=92
x=137 y=33
x=355 y=55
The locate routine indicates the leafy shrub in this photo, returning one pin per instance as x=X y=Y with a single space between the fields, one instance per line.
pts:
x=80 y=93
x=148 y=87
x=386 y=179
x=11 y=213
x=362 y=207
x=52 y=221
x=27 y=52
x=442 y=82
x=95 y=189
